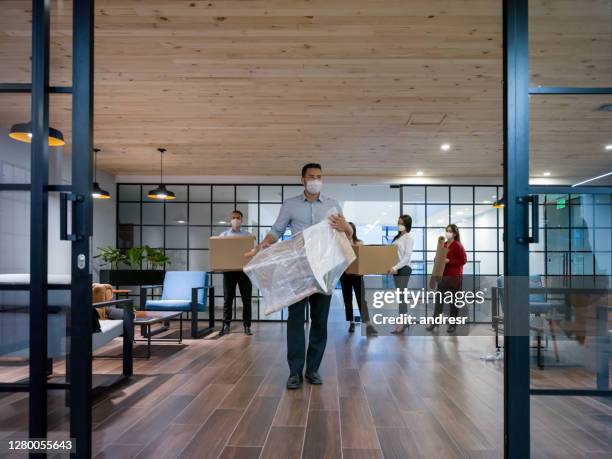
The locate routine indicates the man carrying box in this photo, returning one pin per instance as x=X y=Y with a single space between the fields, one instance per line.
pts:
x=299 y=213
x=231 y=278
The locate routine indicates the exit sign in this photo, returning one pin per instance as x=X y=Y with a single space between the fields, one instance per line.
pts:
x=561 y=203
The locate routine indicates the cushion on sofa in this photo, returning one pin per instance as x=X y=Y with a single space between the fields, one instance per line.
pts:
x=99 y=294
x=111 y=329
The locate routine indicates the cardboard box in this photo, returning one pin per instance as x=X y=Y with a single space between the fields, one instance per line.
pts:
x=439 y=263
x=227 y=253
x=373 y=259
x=440 y=258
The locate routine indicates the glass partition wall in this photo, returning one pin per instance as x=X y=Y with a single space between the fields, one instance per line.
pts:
x=45 y=231
x=182 y=227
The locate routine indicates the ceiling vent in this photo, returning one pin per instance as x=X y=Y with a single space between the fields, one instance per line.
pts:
x=604 y=108
x=426 y=119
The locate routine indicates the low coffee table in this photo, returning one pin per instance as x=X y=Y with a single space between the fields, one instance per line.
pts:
x=156 y=317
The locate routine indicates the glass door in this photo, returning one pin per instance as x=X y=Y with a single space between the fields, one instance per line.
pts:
x=558 y=231
x=45 y=228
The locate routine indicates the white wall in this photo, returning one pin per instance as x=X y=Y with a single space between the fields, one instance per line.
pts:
x=104 y=221
x=15 y=210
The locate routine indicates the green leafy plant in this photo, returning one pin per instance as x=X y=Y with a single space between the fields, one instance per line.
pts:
x=156 y=258
x=153 y=258
x=135 y=256
x=112 y=256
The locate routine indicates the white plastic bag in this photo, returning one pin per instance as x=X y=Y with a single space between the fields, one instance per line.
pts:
x=291 y=270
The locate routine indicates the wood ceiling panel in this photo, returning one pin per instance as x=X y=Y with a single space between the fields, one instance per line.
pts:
x=259 y=87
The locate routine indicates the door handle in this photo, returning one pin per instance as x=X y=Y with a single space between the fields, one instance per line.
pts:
x=64 y=198
x=534 y=236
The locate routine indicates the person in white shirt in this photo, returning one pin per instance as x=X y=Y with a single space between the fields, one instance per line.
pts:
x=233 y=278
x=402 y=270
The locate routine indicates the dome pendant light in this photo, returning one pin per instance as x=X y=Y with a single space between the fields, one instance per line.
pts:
x=161 y=192
x=97 y=192
x=22 y=132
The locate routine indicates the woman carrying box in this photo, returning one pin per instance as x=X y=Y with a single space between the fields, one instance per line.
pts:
x=354 y=282
x=402 y=270
x=453 y=274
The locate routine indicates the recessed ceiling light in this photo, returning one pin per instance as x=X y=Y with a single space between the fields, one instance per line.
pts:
x=222 y=222
x=546 y=173
x=180 y=222
x=419 y=172
x=445 y=146
x=486 y=201
x=609 y=147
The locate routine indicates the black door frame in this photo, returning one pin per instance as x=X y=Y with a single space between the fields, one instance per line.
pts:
x=78 y=386
x=519 y=196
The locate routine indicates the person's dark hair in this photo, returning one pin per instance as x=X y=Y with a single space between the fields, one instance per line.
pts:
x=236 y=211
x=310 y=166
x=455 y=230
x=407 y=222
x=354 y=237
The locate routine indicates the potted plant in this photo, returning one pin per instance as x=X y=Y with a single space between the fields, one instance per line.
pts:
x=111 y=257
x=156 y=258
x=126 y=268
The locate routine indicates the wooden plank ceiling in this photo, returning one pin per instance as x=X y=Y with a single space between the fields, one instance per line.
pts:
x=366 y=87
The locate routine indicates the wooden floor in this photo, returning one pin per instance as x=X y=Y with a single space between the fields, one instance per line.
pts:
x=392 y=397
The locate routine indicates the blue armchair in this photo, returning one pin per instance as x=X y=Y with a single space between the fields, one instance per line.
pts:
x=184 y=291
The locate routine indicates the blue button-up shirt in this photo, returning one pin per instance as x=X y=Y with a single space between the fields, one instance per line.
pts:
x=298 y=213
x=231 y=233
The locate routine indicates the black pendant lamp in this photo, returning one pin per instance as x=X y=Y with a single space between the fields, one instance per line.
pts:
x=161 y=192
x=97 y=192
x=22 y=132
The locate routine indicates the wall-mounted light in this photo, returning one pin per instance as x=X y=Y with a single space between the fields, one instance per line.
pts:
x=97 y=192
x=22 y=132
x=499 y=204
x=161 y=192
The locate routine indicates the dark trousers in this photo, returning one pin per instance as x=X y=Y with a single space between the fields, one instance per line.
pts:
x=447 y=284
x=401 y=282
x=230 y=280
x=296 y=336
x=350 y=283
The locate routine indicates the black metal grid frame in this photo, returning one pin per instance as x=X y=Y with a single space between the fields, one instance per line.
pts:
x=143 y=187
x=78 y=384
x=474 y=205
x=569 y=268
x=519 y=195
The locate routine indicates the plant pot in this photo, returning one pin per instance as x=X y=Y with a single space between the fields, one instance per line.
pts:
x=126 y=277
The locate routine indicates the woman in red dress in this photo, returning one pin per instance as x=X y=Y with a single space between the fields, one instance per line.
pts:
x=453 y=274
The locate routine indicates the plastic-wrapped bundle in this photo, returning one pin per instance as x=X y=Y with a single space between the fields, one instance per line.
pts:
x=291 y=270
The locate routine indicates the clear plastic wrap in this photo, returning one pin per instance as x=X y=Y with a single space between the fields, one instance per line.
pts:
x=291 y=270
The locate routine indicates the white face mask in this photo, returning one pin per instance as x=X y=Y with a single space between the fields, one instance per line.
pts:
x=314 y=186
x=449 y=236
x=235 y=222
x=401 y=228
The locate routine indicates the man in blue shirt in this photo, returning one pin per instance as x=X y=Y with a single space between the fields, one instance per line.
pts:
x=233 y=278
x=298 y=213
